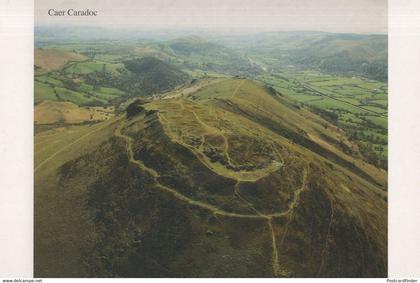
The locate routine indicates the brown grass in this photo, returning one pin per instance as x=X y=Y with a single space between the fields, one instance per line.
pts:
x=48 y=60
x=51 y=112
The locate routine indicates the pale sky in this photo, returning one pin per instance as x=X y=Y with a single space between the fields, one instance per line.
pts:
x=349 y=16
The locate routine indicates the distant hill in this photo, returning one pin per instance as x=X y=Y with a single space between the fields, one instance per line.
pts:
x=347 y=54
x=232 y=180
x=202 y=54
x=351 y=54
x=249 y=55
x=141 y=76
x=154 y=74
x=193 y=44
x=98 y=83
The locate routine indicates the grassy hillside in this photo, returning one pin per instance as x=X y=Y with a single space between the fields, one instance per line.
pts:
x=357 y=105
x=140 y=76
x=85 y=81
x=71 y=88
x=198 y=53
x=155 y=75
x=230 y=180
x=49 y=112
x=62 y=78
x=47 y=60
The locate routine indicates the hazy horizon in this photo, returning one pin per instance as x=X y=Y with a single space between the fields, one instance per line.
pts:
x=335 y=16
x=198 y=31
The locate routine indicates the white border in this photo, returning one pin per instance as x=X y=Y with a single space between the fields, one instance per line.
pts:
x=16 y=138
x=404 y=139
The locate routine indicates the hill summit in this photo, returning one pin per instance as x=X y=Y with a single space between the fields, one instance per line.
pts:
x=232 y=180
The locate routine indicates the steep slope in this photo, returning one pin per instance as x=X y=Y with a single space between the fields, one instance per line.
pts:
x=231 y=181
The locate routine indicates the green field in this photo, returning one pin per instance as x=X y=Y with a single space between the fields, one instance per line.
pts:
x=95 y=66
x=354 y=103
x=68 y=86
x=72 y=96
x=357 y=105
x=49 y=80
x=44 y=92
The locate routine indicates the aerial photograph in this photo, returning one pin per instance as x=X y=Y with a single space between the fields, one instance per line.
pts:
x=210 y=139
